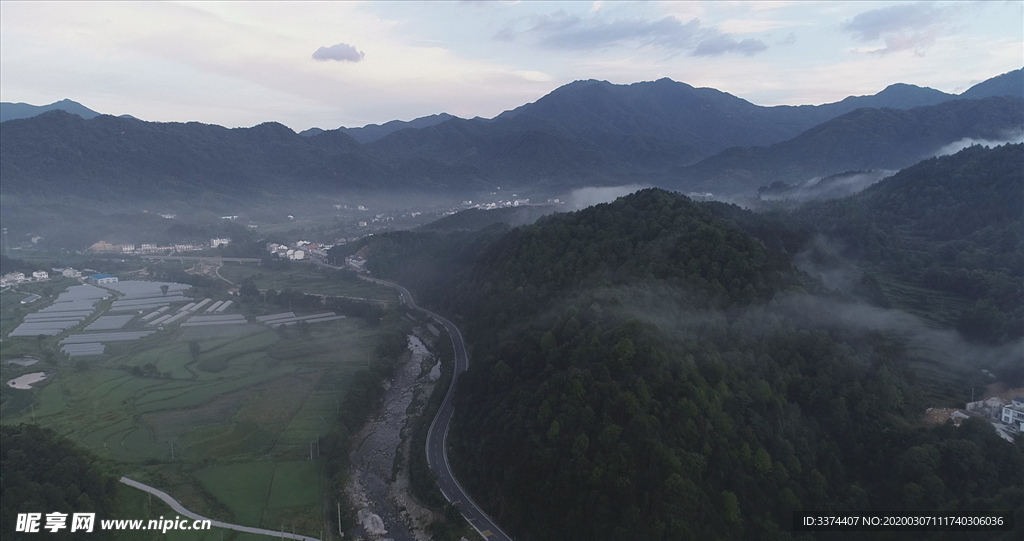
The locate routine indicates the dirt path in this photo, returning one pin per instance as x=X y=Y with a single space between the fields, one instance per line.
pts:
x=216 y=523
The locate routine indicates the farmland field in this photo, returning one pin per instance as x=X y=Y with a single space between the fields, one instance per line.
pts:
x=224 y=418
x=306 y=277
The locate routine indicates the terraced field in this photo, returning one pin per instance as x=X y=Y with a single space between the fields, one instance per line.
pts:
x=230 y=431
x=306 y=277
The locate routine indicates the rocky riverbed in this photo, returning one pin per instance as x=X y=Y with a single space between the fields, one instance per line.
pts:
x=379 y=488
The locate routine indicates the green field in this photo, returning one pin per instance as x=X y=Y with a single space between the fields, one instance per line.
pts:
x=240 y=418
x=306 y=277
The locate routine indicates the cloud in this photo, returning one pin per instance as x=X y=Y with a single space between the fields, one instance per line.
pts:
x=341 y=52
x=560 y=30
x=589 y=196
x=721 y=44
x=902 y=27
x=957 y=146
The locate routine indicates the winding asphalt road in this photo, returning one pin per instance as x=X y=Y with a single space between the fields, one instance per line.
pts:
x=437 y=450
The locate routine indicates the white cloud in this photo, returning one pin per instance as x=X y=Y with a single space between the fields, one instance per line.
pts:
x=565 y=31
x=341 y=52
x=901 y=27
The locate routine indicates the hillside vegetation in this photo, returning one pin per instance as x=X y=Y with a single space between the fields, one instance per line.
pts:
x=649 y=369
x=950 y=224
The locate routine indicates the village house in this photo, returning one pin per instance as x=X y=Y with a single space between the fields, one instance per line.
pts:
x=12 y=278
x=103 y=279
x=1013 y=414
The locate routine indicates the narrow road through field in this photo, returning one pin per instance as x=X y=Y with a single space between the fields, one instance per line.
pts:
x=437 y=449
x=194 y=516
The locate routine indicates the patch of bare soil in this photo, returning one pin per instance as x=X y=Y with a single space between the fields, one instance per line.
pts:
x=1002 y=391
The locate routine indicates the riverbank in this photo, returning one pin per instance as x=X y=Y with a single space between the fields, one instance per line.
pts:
x=378 y=485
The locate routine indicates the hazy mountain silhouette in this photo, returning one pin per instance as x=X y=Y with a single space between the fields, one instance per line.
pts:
x=11 y=111
x=583 y=133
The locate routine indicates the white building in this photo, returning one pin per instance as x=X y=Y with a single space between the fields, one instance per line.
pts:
x=12 y=278
x=219 y=242
x=40 y=275
x=71 y=273
x=103 y=278
x=991 y=408
x=297 y=254
x=1013 y=414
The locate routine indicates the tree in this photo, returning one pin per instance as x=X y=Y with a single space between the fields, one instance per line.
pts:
x=248 y=288
x=164 y=288
x=194 y=349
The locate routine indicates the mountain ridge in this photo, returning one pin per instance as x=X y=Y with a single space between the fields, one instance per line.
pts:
x=582 y=134
x=13 y=111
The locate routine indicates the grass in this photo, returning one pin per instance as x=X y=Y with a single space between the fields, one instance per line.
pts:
x=244 y=488
x=240 y=417
x=307 y=277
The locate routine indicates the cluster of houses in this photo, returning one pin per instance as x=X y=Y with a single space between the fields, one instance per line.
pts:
x=15 y=278
x=1006 y=415
x=305 y=249
x=284 y=251
x=1008 y=412
x=104 y=247
x=302 y=249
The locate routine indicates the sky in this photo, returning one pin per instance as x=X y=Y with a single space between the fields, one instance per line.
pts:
x=331 y=64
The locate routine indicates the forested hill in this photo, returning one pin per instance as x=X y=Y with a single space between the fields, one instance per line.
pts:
x=645 y=370
x=119 y=159
x=862 y=139
x=45 y=473
x=952 y=224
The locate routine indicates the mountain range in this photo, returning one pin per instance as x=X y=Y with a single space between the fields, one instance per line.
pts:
x=13 y=111
x=663 y=133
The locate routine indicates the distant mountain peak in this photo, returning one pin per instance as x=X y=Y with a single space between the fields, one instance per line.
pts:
x=1010 y=83
x=373 y=132
x=12 y=111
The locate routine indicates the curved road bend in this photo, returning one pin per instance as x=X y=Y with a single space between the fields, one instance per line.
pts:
x=437 y=450
x=216 y=523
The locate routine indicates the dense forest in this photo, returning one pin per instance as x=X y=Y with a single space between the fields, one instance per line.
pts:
x=45 y=473
x=950 y=224
x=657 y=368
